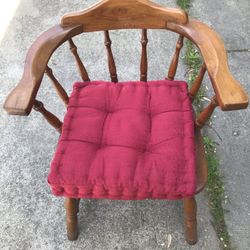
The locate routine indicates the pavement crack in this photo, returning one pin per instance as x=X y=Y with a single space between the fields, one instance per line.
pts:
x=237 y=50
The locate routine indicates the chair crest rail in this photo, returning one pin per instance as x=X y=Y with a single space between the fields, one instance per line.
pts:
x=113 y=14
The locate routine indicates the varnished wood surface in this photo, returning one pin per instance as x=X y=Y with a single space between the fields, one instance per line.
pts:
x=205 y=115
x=111 y=61
x=230 y=94
x=81 y=68
x=175 y=59
x=20 y=101
x=58 y=87
x=72 y=208
x=144 y=57
x=113 y=14
x=197 y=82
x=190 y=221
x=51 y=118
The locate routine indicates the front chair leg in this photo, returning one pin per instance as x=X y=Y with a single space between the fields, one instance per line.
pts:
x=190 y=210
x=72 y=208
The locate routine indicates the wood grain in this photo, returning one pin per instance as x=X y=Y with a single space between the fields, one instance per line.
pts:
x=139 y=14
x=113 y=14
x=21 y=99
x=229 y=93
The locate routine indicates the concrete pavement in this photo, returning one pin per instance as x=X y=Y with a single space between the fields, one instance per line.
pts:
x=31 y=218
x=230 y=19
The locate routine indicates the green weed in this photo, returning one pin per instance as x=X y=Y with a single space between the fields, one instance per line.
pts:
x=215 y=186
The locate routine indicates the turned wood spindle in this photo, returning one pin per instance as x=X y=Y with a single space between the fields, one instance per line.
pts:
x=58 y=87
x=111 y=61
x=72 y=208
x=144 y=59
x=175 y=60
x=197 y=82
x=190 y=221
x=206 y=113
x=51 y=119
x=82 y=70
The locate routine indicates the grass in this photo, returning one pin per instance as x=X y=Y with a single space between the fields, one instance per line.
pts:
x=193 y=61
x=215 y=186
x=216 y=194
x=184 y=4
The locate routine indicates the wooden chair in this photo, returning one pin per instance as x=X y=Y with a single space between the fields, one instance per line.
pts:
x=131 y=14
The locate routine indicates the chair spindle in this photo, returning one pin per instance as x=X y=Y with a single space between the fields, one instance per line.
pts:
x=82 y=70
x=111 y=61
x=206 y=113
x=197 y=82
x=144 y=59
x=175 y=60
x=51 y=119
x=58 y=87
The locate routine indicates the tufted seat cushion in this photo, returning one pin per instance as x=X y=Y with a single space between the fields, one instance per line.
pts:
x=130 y=140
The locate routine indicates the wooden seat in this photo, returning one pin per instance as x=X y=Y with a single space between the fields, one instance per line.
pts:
x=131 y=14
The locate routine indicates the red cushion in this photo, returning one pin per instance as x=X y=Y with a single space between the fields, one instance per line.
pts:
x=130 y=140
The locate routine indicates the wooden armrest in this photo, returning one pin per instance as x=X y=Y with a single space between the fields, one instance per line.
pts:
x=20 y=101
x=229 y=93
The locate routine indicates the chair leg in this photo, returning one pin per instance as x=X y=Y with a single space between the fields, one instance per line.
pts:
x=190 y=221
x=72 y=208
